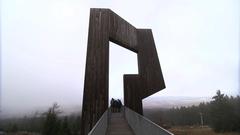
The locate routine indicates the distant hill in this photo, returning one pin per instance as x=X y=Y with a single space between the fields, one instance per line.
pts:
x=153 y=106
x=171 y=101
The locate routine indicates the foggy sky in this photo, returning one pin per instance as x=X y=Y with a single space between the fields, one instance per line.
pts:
x=43 y=48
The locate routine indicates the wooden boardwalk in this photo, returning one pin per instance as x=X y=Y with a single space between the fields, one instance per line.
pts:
x=118 y=125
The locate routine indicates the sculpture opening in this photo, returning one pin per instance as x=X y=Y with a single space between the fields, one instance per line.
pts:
x=121 y=61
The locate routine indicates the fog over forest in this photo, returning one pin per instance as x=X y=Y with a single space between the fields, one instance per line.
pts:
x=43 y=50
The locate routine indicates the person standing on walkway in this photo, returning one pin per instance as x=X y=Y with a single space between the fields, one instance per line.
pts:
x=119 y=105
x=112 y=105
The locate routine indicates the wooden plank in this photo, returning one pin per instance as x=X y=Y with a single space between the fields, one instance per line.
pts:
x=118 y=125
x=148 y=64
x=122 y=32
x=133 y=92
x=95 y=99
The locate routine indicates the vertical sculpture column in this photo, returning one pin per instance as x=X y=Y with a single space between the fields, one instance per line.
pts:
x=133 y=92
x=95 y=99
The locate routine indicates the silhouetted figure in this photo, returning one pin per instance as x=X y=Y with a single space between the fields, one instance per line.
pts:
x=116 y=105
x=112 y=105
x=119 y=105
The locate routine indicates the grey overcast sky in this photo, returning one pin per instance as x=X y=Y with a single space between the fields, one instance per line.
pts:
x=43 y=48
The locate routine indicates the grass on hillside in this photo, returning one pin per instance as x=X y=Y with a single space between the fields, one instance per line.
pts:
x=196 y=130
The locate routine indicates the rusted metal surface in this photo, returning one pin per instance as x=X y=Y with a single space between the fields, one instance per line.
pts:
x=105 y=26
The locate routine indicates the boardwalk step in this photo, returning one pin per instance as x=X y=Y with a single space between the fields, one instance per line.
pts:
x=118 y=125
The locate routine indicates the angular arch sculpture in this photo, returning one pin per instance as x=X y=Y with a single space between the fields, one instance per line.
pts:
x=105 y=26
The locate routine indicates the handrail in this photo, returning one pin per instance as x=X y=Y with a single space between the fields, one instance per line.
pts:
x=143 y=126
x=139 y=124
x=100 y=127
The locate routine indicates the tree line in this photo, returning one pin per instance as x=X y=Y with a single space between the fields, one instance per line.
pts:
x=50 y=122
x=222 y=114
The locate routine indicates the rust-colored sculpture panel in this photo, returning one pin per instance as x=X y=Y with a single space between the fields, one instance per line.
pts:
x=105 y=26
